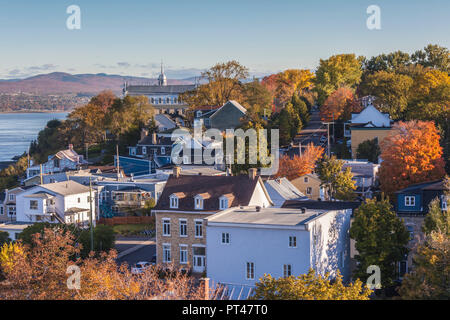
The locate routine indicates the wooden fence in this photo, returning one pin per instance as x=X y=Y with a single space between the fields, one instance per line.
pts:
x=126 y=220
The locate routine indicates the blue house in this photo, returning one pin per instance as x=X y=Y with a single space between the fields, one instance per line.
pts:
x=412 y=206
x=415 y=199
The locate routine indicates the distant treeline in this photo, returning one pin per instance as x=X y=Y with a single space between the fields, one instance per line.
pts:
x=32 y=102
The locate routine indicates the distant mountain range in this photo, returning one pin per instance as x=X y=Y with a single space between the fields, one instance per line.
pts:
x=60 y=83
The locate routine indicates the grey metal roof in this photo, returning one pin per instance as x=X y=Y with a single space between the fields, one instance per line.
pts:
x=155 y=89
x=266 y=216
x=66 y=188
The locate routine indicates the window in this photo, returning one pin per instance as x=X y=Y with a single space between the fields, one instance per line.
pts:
x=287 y=270
x=306 y=179
x=1 y=210
x=443 y=202
x=250 y=271
x=309 y=190
x=173 y=202
x=153 y=100
x=183 y=254
x=198 y=203
x=174 y=100
x=56 y=163
x=163 y=150
x=199 y=114
x=166 y=253
x=183 y=228
x=12 y=210
x=33 y=204
x=79 y=200
x=166 y=227
x=144 y=150
x=410 y=201
x=292 y=242
x=410 y=229
x=160 y=100
x=223 y=203
x=199 y=229
x=11 y=197
x=225 y=238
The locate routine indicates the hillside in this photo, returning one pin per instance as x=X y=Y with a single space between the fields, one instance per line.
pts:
x=59 y=83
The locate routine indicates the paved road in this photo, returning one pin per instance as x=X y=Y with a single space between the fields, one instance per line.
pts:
x=140 y=249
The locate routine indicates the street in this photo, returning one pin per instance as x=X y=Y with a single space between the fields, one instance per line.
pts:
x=133 y=250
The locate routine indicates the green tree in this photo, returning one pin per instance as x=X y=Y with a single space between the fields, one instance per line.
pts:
x=381 y=239
x=335 y=72
x=433 y=56
x=438 y=220
x=104 y=239
x=4 y=238
x=391 y=91
x=338 y=182
x=430 y=277
x=369 y=149
x=257 y=98
x=309 y=287
x=301 y=108
x=390 y=62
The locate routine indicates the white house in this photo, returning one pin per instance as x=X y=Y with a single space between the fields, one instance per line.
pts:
x=63 y=202
x=243 y=244
x=61 y=161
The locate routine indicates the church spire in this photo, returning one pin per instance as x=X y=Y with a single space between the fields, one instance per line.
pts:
x=162 y=79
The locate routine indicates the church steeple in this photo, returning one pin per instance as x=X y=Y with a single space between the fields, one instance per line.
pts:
x=162 y=79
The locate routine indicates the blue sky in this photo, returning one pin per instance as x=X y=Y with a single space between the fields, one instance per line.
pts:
x=131 y=37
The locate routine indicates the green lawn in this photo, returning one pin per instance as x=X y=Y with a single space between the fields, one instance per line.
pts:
x=131 y=229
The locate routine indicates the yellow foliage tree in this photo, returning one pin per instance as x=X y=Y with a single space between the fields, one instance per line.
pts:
x=309 y=287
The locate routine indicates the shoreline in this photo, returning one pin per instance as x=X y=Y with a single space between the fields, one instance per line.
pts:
x=36 y=111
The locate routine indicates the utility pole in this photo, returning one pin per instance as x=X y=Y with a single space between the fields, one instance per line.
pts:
x=300 y=148
x=40 y=174
x=117 y=161
x=328 y=135
x=91 y=214
x=87 y=150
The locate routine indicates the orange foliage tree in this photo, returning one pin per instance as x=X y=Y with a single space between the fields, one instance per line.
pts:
x=340 y=104
x=411 y=154
x=299 y=165
x=40 y=272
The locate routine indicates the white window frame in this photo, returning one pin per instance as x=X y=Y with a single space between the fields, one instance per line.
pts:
x=250 y=271
x=174 y=202
x=37 y=204
x=167 y=252
x=11 y=197
x=198 y=222
x=184 y=249
x=225 y=238
x=292 y=242
x=287 y=270
x=198 y=202
x=166 y=222
x=163 y=150
x=309 y=190
x=183 y=223
x=305 y=179
x=410 y=201
x=223 y=203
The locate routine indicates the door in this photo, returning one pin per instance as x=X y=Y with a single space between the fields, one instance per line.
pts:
x=199 y=259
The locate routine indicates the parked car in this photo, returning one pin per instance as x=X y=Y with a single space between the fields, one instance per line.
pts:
x=140 y=267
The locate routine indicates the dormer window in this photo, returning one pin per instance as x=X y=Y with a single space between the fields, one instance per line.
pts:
x=173 y=202
x=198 y=202
x=223 y=203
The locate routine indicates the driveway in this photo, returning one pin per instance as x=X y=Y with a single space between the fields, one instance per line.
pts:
x=132 y=250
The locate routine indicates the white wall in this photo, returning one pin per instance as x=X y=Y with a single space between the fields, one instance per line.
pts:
x=329 y=236
x=259 y=198
x=268 y=249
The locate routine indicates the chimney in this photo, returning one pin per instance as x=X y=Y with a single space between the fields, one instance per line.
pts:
x=70 y=146
x=154 y=138
x=176 y=172
x=252 y=173
x=144 y=133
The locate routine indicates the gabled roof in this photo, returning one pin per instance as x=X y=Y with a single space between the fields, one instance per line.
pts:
x=155 y=89
x=436 y=185
x=239 y=189
x=230 y=103
x=69 y=154
x=284 y=189
x=160 y=141
x=66 y=188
